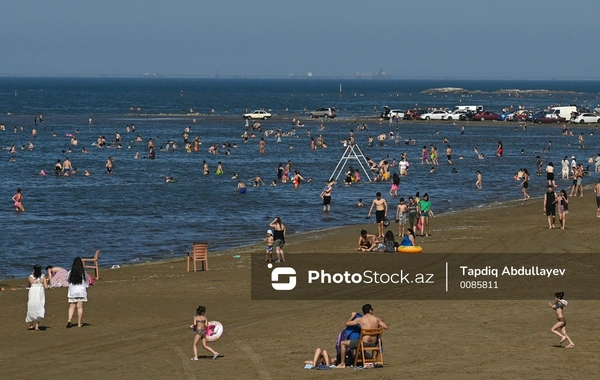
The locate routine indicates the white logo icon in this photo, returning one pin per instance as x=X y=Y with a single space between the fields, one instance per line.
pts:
x=283 y=271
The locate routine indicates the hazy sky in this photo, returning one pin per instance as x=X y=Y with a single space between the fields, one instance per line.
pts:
x=437 y=38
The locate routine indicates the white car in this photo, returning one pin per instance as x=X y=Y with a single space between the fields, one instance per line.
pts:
x=396 y=113
x=258 y=114
x=434 y=115
x=454 y=115
x=586 y=118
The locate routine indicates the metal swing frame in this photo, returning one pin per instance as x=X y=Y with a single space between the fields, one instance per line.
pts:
x=351 y=154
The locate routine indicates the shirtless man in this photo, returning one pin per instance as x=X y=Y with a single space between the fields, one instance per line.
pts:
x=109 y=165
x=366 y=242
x=381 y=210
x=367 y=321
x=67 y=167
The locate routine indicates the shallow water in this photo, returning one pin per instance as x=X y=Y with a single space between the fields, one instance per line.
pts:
x=133 y=215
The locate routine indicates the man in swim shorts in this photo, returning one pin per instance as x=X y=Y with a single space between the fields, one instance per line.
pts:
x=367 y=321
x=241 y=187
x=381 y=210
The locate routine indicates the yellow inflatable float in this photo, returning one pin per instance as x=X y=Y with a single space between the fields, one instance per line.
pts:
x=410 y=249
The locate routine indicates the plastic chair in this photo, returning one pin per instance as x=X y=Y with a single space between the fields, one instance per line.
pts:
x=375 y=350
x=199 y=253
x=92 y=263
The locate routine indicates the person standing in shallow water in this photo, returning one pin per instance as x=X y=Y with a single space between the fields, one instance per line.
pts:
x=326 y=196
x=525 y=185
x=18 y=201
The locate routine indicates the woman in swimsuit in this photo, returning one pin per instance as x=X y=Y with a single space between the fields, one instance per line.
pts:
x=18 y=199
x=199 y=326
x=395 y=185
x=563 y=208
x=558 y=305
x=425 y=157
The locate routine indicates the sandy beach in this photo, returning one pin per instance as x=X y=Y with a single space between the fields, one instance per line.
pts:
x=137 y=317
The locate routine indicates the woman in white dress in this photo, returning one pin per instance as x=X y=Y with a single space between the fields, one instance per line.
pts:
x=37 y=298
x=77 y=295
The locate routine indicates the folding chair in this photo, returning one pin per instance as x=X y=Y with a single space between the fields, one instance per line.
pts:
x=199 y=253
x=375 y=350
x=92 y=263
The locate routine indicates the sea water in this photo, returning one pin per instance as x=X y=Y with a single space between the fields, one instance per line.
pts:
x=133 y=215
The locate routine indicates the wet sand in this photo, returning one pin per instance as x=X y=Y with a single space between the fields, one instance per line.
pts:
x=137 y=317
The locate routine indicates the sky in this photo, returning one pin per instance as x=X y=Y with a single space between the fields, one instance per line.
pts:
x=426 y=38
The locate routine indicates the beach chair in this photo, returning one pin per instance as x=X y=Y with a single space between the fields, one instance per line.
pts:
x=199 y=253
x=92 y=263
x=375 y=350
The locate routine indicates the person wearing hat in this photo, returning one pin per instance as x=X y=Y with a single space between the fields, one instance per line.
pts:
x=269 y=252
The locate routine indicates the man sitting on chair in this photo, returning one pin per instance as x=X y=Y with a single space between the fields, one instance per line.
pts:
x=367 y=321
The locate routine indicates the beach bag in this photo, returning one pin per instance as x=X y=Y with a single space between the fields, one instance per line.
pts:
x=390 y=246
x=419 y=224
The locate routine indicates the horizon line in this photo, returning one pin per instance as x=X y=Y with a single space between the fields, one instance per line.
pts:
x=357 y=76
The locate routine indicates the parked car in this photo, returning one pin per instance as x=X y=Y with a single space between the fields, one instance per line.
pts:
x=413 y=113
x=467 y=116
x=454 y=115
x=506 y=116
x=433 y=115
x=396 y=113
x=520 y=115
x=258 y=114
x=586 y=118
x=486 y=115
x=327 y=113
x=549 y=118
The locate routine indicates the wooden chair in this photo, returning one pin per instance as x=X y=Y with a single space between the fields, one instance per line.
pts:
x=375 y=350
x=199 y=253
x=92 y=263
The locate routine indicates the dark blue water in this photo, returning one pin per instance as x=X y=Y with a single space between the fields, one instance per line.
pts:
x=133 y=215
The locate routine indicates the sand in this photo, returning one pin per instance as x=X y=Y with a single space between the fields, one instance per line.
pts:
x=137 y=317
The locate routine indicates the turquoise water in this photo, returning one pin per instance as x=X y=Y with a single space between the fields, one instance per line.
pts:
x=133 y=215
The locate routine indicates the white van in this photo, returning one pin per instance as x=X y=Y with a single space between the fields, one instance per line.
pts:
x=566 y=111
x=472 y=109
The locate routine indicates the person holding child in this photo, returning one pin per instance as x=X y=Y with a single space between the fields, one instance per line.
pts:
x=199 y=326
